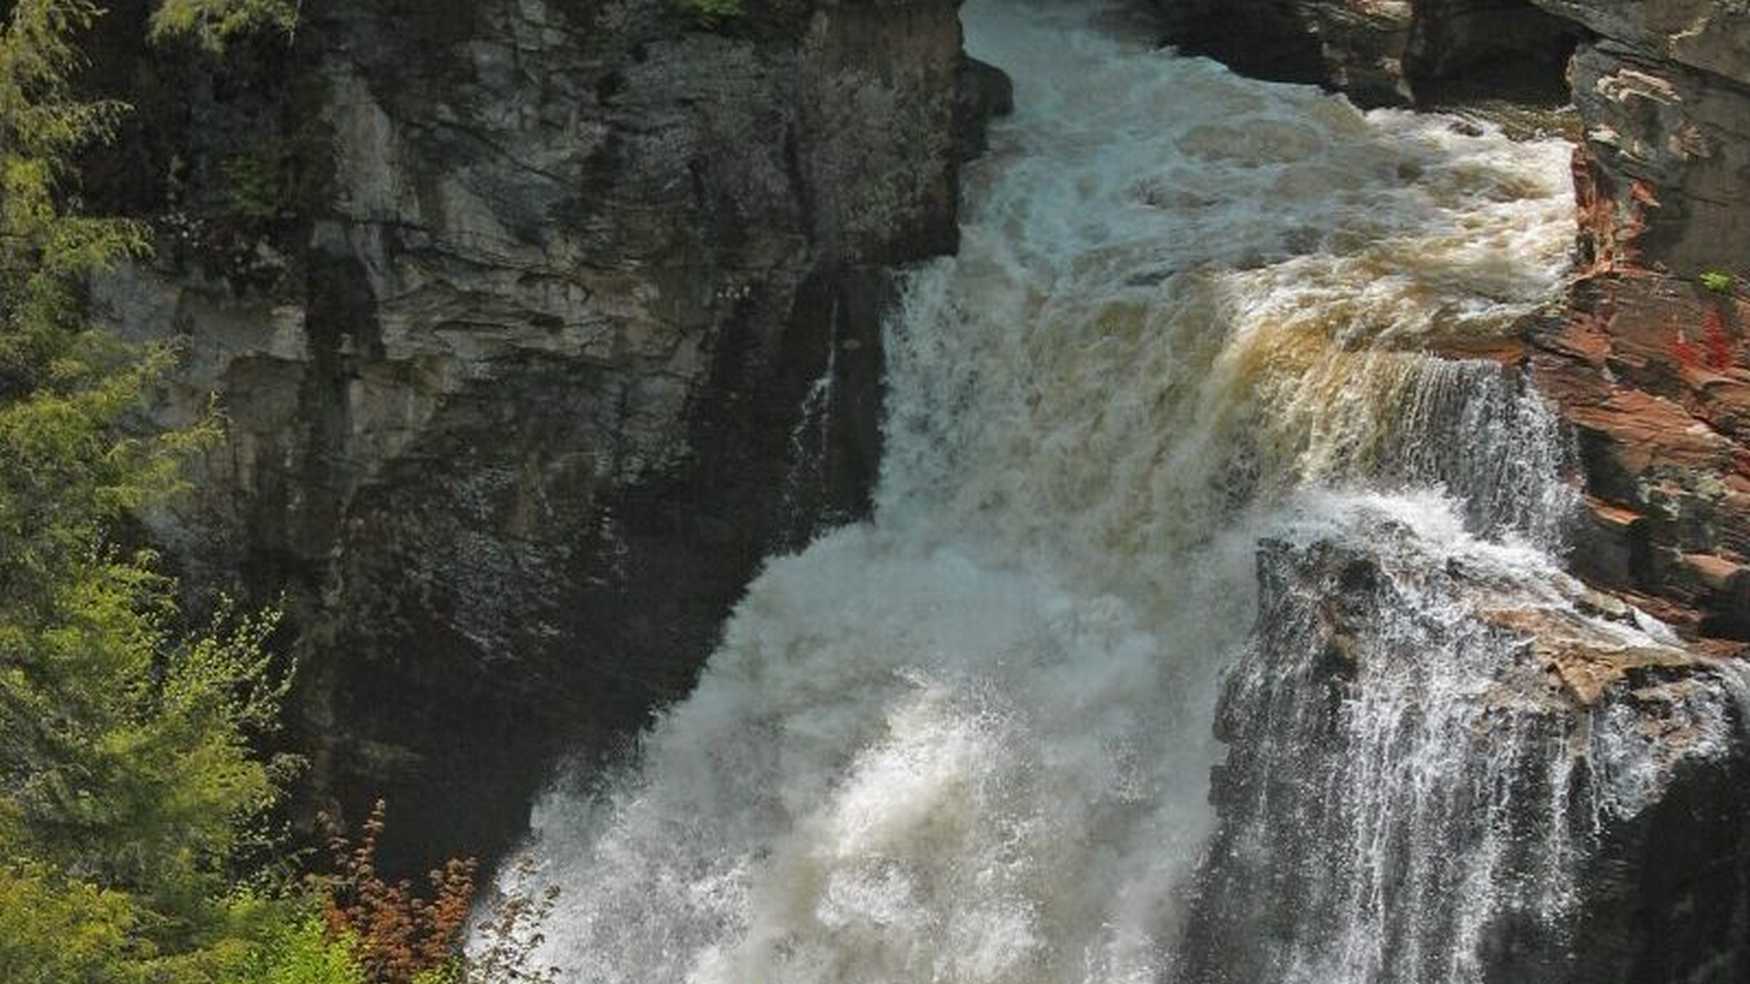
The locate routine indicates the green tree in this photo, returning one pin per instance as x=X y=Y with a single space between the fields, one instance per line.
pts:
x=127 y=776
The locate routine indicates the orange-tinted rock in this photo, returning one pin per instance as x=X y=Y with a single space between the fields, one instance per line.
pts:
x=1651 y=372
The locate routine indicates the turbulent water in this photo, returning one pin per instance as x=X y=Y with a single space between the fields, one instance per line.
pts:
x=970 y=741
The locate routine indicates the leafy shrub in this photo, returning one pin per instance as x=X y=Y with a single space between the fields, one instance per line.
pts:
x=212 y=23
x=396 y=934
x=509 y=937
x=302 y=952
x=398 y=937
x=55 y=930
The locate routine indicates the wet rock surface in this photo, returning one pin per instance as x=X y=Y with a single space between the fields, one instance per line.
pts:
x=1453 y=767
x=1379 y=52
x=581 y=324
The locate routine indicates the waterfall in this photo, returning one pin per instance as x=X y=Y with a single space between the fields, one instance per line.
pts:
x=808 y=451
x=971 y=740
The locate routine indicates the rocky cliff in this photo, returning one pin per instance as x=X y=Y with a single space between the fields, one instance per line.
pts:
x=1647 y=358
x=1475 y=753
x=1445 y=764
x=535 y=325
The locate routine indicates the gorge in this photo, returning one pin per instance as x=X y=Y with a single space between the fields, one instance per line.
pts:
x=1032 y=491
x=968 y=741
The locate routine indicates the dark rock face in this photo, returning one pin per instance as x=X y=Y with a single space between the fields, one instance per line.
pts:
x=982 y=92
x=1354 y=47
x=1507 y=48
x=583 y=324
x=1446 y=767
x=1380 y=52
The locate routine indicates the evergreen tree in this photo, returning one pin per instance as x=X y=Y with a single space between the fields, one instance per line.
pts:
x=127 y=776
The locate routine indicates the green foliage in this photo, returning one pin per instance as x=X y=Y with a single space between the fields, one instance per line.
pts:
x=302 y=952
x=280 y=174
x=1717 y=281
x=43 y=248
x=129 y=780
x=213 y=23
x=127 y=776
x=711 y=13
x=57 y=931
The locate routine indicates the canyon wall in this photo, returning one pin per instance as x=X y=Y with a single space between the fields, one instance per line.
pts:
x=1380 y=52
x=535 y=325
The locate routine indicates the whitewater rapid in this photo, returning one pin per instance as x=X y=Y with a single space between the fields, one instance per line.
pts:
x=970 y=740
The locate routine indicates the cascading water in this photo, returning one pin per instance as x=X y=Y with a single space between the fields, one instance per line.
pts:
x=971 y=740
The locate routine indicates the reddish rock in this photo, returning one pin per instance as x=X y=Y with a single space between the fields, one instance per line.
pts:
x=1664 y=434
x=1662 y=171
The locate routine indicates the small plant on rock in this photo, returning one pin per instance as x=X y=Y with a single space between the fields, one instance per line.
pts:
x=712 y=13
x=506 y=940
x=1717 y=281
x=396 y=937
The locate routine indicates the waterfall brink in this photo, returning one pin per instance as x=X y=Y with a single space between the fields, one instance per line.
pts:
x=971 y=740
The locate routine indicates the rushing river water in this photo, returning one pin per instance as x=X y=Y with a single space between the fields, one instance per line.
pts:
x=970 y=741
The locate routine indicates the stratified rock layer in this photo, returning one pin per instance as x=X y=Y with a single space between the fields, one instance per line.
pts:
x=1644 y=360
x=575 y=321
x=1650 y=371
x=1665 y=166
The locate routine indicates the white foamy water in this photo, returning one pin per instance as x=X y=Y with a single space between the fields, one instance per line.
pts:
x=970 y=741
